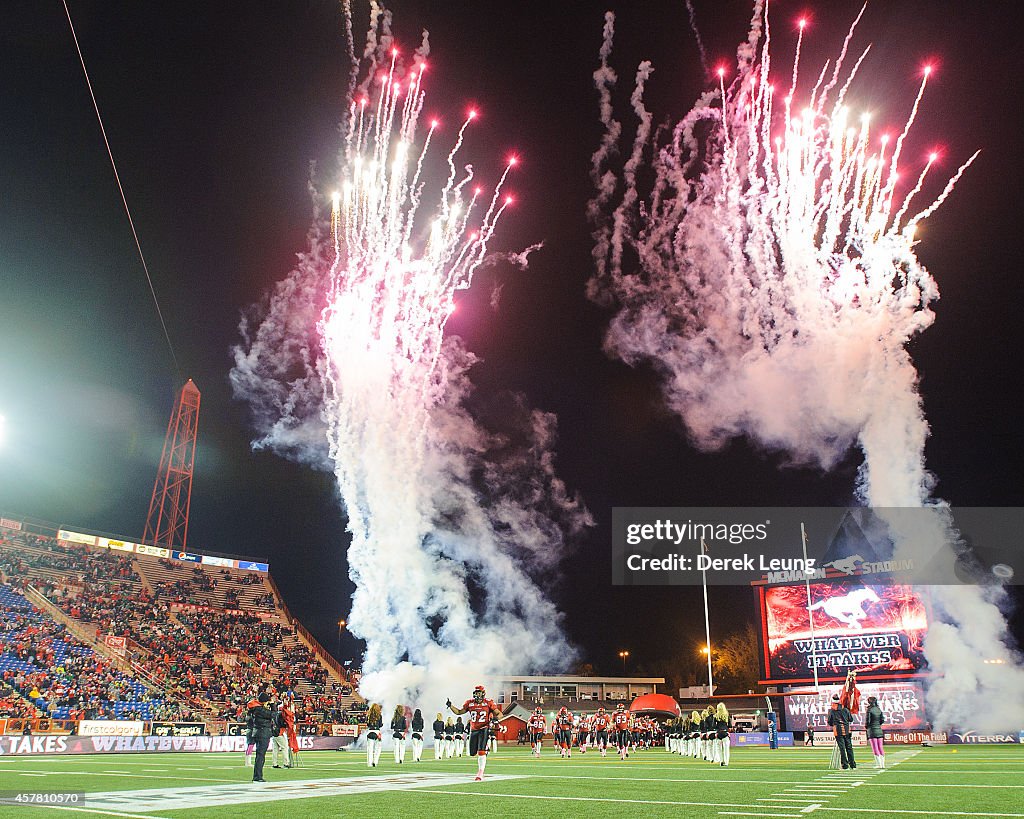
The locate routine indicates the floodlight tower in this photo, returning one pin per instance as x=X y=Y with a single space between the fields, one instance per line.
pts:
x=167 y=521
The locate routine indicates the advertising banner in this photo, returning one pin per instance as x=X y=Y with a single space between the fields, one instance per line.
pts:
x=76 y=537
x=116 y=644
x=761 y=738
x=219 y=561
x=253 y=566
x=188 y=557
x=344 y=730
x=7 y=523
x=116 y=545
x=155 y=551
x=110 y=728
x=178 y=729
x=57 y=745
x=902 y=705
x=915 y=737
x=877 y=629
x=1006 y=737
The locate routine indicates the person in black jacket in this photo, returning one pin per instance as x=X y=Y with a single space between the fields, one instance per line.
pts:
x=840 y=720
x=398 y=726
x=417 y=735
x=262 y=718
x=874 y=719
x=439 y=736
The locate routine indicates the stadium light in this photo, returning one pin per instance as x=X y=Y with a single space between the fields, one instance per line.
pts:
x=623 y=655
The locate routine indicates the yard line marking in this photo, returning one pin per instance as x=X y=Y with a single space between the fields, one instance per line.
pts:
x=33 y=774
x=101 y=812
x=941 y=812
x=747 y=813
x=810 y=808
x=584 y=799
x=240 y=793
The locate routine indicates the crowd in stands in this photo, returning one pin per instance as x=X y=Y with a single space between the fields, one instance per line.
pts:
x=181 y=664
x=57 y=675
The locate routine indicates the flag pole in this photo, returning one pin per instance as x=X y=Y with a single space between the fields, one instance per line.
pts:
x=810 y=617
x=707 y=622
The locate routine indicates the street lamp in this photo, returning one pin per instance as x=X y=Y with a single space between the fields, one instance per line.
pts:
x=341 y=628
x=706 y=651
x=622 y=656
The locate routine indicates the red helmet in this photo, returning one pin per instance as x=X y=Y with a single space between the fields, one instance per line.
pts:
x=479 y=693
x=562 y=710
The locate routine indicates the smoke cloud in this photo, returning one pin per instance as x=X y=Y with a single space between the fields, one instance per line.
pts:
x=773 y=283
x=454 y=507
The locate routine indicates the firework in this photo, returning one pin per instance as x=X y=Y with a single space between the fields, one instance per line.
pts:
x=777 y=286
x=440 y=592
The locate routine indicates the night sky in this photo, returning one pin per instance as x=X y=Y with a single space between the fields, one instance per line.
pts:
x=215 y=112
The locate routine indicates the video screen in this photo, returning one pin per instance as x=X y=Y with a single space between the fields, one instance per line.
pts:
x=874 y=629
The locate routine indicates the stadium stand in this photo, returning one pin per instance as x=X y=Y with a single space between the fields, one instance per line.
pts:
x=153 y=638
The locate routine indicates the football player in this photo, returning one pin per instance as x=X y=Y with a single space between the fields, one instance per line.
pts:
x=537 y=726
x=620 y=722
x=601 y=723
x=481 y=710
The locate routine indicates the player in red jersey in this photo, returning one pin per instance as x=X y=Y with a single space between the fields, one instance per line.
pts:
x=601 y=723
x=537 y=726
x=481 y=712
x=586 y=724
x=620 y=722
x=563 y=724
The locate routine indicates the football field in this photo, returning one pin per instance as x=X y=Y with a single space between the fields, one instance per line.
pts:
x=941 y=781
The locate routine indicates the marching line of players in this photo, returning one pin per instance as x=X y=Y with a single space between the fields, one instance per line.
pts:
x=618 y=730
x=702 y=735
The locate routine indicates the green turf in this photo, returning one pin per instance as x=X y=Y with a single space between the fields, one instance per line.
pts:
x=941 y=781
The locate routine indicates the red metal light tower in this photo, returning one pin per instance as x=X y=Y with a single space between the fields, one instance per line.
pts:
x=167 y=521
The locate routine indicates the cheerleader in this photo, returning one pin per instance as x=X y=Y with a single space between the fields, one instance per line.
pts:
x=460 y=737
x=438 y=736
x=398 y=726
x=417 y=735
x=374 y=725
x=722 y=734
x=449 y=738
x=710 y=746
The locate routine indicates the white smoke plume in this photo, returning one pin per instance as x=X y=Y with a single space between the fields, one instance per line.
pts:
x=768 y=272
x=455 y=511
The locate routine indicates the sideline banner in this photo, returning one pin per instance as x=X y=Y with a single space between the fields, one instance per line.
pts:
x=340 y=730
x=760 y=738
x=57 y=745
x=178 y=729
x=979 y=738
x=110 y=728
x=914 y=737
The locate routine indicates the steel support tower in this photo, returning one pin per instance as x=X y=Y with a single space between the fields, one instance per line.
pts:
x=167 y=521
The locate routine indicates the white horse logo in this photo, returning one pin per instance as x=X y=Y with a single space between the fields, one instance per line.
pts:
x=849 y=608
x=847 y=565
